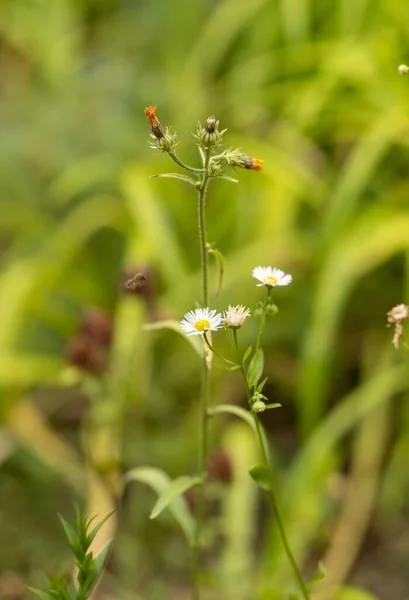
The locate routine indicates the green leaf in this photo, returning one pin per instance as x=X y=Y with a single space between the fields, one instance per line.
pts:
x=261 y=385
x=234 y=410
x=220 y=263
x=100 y=560
x=159 y=482
x=255 y=369
x=40 y=594
x=97 y=527
x=274 y=405
x=261 y=475
x=70 y=533
x=247 y=354
x=174 y=176
x=174 y=325
x=176 y=488
x=227 y=178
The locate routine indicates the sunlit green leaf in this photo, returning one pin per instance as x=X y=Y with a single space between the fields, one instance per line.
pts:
x=176 y=488
x=160 y=482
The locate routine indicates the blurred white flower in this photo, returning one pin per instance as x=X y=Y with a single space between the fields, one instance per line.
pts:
x=201 y=320
x=235 y=316
x=271 y=277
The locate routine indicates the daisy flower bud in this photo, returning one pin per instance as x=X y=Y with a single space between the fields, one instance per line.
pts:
x=201 y=320
x=235 y=316
x=271 y=277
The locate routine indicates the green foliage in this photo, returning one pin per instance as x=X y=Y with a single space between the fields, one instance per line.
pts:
x=89 y=568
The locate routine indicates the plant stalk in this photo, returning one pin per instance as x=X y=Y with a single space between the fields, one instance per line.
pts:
x=266 y=460
x=205 y=387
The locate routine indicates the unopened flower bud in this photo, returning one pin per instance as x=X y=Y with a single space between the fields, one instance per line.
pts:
x=403 y=69
x=211 y=124
x=258 y=406
x=154 y=124
x=236 y=158
x=164 y=139
x=209 y=136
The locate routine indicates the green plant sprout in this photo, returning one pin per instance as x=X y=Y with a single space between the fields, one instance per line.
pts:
x=89 y=567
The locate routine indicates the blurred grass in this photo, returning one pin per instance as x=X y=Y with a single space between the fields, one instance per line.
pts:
x=313 y=89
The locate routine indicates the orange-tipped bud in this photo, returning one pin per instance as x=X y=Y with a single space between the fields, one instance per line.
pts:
x=256 y=164
x=236 y=158
x=154 y=124
x=150 y=112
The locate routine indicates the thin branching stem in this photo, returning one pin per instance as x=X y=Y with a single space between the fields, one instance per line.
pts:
x=266 y=460
x=179 y=162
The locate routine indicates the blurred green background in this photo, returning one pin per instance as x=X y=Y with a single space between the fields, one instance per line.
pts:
x=310 y=87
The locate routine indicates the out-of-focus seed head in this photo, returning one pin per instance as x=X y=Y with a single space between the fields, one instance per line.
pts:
x=86 y=355
x=99 y=326
x=219 y=467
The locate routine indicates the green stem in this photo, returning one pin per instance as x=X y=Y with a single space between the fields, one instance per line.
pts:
x=226 y=360
x=184 y=165
x=205 y=389
x=266 y=460
x=262 y=319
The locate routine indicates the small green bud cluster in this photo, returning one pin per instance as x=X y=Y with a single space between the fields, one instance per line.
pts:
x=257 y=402
x=209 y=136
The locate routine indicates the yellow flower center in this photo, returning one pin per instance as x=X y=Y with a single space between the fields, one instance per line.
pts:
x=272 y=280
x=202 y=325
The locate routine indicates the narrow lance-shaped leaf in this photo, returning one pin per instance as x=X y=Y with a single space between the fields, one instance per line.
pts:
x=69 y=532
x=40 y=594
x=174 y=176
x=227 y=178
x=100 y=560
x=97 y=527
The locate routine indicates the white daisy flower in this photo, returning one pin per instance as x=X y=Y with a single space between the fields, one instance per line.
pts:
x=235 y=316
x=201 y=320
x=271 y=277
